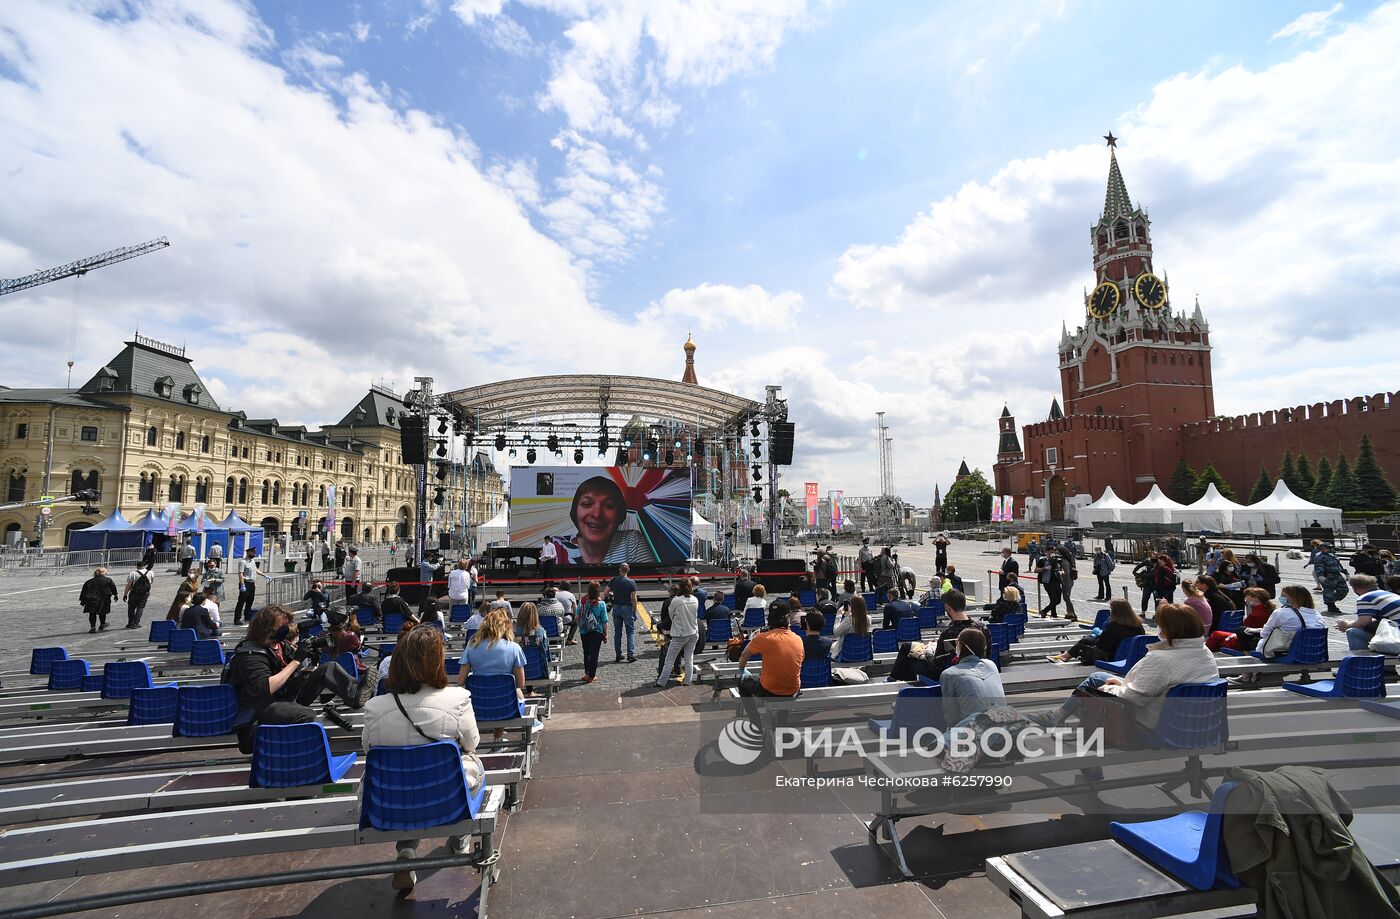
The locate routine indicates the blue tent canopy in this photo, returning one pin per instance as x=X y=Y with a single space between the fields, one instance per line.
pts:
x=241 y=535
x=154 y=528
x=112 y=533
x=212 y=534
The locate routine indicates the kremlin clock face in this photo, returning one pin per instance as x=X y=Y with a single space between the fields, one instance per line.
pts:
x=1104 y=300
x=1150 y=291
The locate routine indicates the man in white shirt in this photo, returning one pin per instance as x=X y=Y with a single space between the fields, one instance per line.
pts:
x=548 y=555
x=247 y=588
x=354 y=571
x=459 y=583
x=216 y=554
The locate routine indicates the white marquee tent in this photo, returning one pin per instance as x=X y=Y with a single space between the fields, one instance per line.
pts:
x=496 y=530
x=1283 y=512
x=1107 y=508
x=1155 y=508
x=1212 y=511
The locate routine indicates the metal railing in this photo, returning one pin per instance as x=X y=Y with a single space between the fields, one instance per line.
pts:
x=59 y=559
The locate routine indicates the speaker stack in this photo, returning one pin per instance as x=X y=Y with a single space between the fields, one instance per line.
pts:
x=413 y=434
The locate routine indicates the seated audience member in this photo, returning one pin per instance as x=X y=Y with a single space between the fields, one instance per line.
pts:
x=1257 y=610
x=430 y=608
x=848 y=590
x=420 y=707
x=1180 y=657
x=345 y=634
x=815 y=645
x=1219 y=601
x=491 y=651
x=854 y=621
x=318 y=599
x=973 y=684
x=1294 y=612
x=916 y=659
x=1009 y=603
x=474 y=620
x=1123 y=622
x=1192 y=598
x=501 y=603
x=551 y=605
x=716 y=610
x=365 y=599
x=782 y=654
x=196 y=616
x=954 y=582
x=937 y=587
x=1372 y=605
x=825 y=605
x=897 y=609
x=758 y=599
x=394 y=603
x=528 y=630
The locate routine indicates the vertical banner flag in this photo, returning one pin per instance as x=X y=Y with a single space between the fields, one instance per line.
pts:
x=1006 y=504
x=811 y=505
x=172 y=515
x=330 y=510
x=996 y=508
x=199 y=517
x=836 y=513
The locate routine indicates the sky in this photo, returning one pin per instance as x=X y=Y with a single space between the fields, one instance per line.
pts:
x=879 y=206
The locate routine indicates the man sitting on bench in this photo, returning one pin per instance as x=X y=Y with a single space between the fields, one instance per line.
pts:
x=898 y=608
x=915 y=659
x=782 y=657
x=1372 y=605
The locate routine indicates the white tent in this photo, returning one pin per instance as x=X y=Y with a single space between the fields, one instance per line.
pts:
x=1284 y=513
x=497 y=529
x=1155 y=508
x=701 y=530
x=1212 y=511
x=1106 y=508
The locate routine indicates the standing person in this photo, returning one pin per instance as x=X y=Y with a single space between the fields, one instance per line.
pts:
x=1048 y=574
x=940 y=553
x=1327 y=568
x=743 y=588
x=96 y=597
x=148 y=558
x=684 y=632
x=1069 y=573
x=216 y=554
x=1164 y=583
x=472 y=579
x=187 y=555
x=354 y=573
x=459 y=583
x=136 y=592
x=1103 y=567
x=247 y=587
x=549 y=554
x=393 y=550
x=1145 y=574
x=593 y=629
x=1202 y=550
x=864 y=558
x=325 y=554
x=623 y=592
x=885 y=573
x=1010 y=570
x=214 y=579
x=567 y=599
x=339 y=557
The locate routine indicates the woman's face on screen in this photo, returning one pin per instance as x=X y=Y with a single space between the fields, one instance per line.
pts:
x=599 y=516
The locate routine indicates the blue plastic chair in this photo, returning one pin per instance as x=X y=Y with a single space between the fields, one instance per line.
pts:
x=829 y=625
x=119 y=678
x=908 y=629
x=536 y=666
x=885 y=641
x=912 y=712
x=1100 y=620
x=206 y=711
x=182 y=641
x=67 y=674
x=869 y=600
x=816 y=671
x=461 y=612
x=41 y=660
x=349 y=663
x=453 y=666
x=754 y=617
x=292 y=755
x=717 y=630
x=1357 y=677
x=550 y=624
x=1230 y=620
x=1188 y=846
x=928 y=616
x=494 y=698
x=153 y=705
x=1309 y=646
x=1017 y=622
x=385 y=649
x=856 y=649
x=417 y=788
x=364 y=617
x=160 y=630
x=207 y=652
x=92 y=682
x=730 y=601
x=1133 y=649
x=807 y=597
x=393 y=623
x=1194 y=717
x=1000 y=634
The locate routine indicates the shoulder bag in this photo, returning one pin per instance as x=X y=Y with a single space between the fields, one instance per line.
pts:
x=1279 y=641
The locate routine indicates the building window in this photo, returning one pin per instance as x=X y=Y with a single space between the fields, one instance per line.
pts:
x=1052 y=456
x=92 y=480
x=165 y=387
x=177 y=488
x=349 y=495
x=201 y=489
x=179 y=440
x=369 y=500
x=22 y=431
x=151 y=435
x=276 y=492
x=279 y=456
x=320 y=496
x=266 y=491
x=228 y=490
x=242 y=491
x=88 y=433
x=192 y=393
x=147 y=490
x=204 y=444
x=15 y=492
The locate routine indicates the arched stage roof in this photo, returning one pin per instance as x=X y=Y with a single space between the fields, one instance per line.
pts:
x=515 y=403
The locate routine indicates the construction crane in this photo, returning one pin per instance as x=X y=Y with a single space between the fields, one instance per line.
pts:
x=81 y=267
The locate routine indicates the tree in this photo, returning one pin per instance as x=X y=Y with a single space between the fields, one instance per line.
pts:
x=1344 y=493
x=970 y=498
x=1377 y=494
x=1306 y=480
x=1203 y=481
x=1321 y=492
x=1263 y=487
x=1287 y=471
x=1182 y=484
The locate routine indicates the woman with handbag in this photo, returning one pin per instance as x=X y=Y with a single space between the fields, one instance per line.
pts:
x=1123 y=623
x=856 y=621
x=1295 y=611
x=419 y=707
x=1257 y=610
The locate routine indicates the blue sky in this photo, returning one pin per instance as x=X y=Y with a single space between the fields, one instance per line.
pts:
x=879 y=206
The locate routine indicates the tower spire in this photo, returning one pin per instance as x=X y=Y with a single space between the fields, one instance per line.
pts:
x=1115 y=200
x=689 y=375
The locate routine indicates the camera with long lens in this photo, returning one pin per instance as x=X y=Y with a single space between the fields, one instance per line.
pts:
x=310 y=645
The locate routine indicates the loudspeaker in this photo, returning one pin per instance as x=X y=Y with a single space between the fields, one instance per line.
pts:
x=781 y=435
x=756 y=537
x=413 y=432
x=765 y=552
x=787 y=574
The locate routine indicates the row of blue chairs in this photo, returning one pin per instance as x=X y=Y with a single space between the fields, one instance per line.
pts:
x=194 y=711
x=117 y=680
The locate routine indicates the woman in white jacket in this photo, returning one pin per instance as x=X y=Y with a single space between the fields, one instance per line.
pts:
x=685 y=631
x=420 y=707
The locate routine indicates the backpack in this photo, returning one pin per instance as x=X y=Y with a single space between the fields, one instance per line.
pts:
x=590 y=619
x=142 y=587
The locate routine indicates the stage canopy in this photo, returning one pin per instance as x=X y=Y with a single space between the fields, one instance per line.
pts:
x=112 y=533
x=1284 y=513
x=1155 y=508
x=497 y=529
x=1105 y=509
x=1212 y=512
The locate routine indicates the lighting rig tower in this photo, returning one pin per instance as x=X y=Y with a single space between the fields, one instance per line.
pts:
x=422 y=402
x=885 y=444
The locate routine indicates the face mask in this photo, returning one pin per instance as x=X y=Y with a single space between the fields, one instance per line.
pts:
x=1284 y=601
x=282 y=633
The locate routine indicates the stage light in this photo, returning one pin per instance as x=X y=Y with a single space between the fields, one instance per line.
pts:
x=602 y=443
x=442 y=448
x=757 y=495
x=471 y=439
x=652 y=448
x=530 y=455
x=526 y=438
x=757 y=473
x=700 y=447
x=500 y=442
x=442 y=425
x=753 y=428
x=512 y=453
x=627 y=442
x=577 y=440
x=553 y=443
x=578 y=457
x=558 y=454
x=757 y=449
x=677 y=444
x=689 y=457
x=670 y=457
x=438 y=495
x=441 y=471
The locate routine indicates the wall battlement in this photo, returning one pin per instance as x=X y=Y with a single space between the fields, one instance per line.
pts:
x=1075 y=423
x=1290 y=417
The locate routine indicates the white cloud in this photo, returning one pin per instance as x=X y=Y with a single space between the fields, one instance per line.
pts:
x=604 y=205
x=711 y=307
x=470 y=10
x=1308 y=25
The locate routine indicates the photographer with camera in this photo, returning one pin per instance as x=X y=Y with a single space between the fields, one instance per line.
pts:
x=277 y=680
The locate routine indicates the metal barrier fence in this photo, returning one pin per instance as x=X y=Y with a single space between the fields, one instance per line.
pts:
x=58 y=559
x=288 y=589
